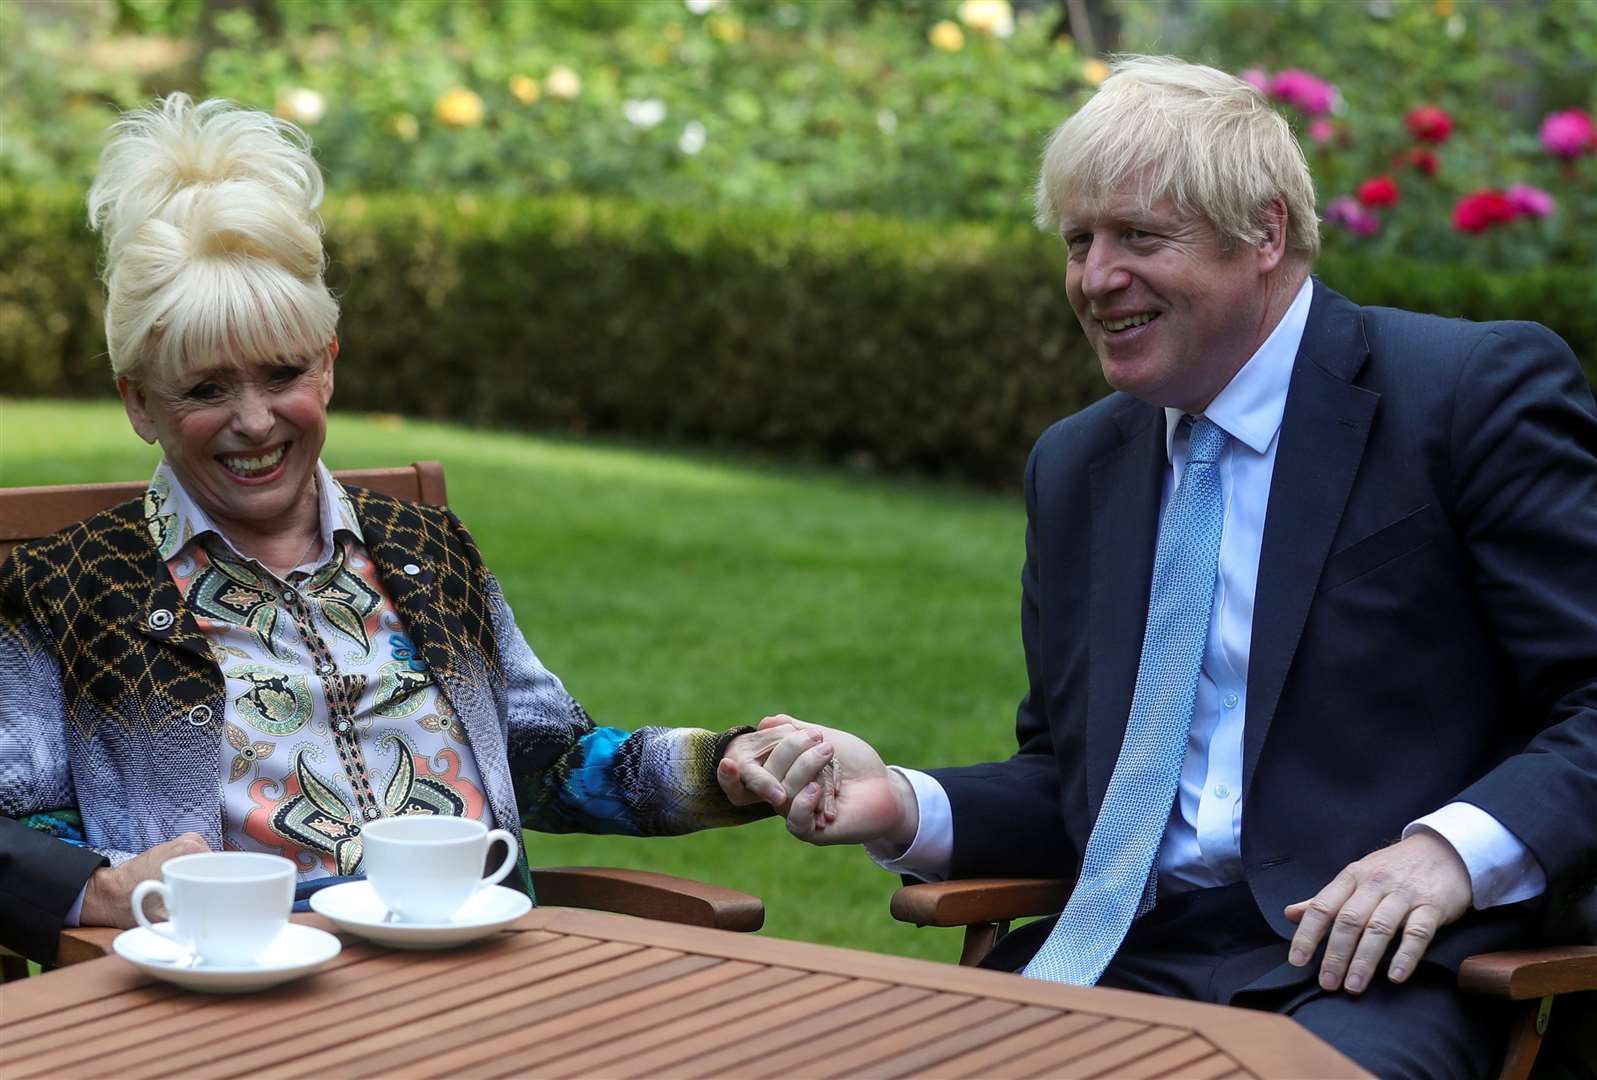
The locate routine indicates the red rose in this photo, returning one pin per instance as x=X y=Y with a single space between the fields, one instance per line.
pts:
x=1481 y=210
x=1430 y=124
x=1381 y=191
x=1420 y=159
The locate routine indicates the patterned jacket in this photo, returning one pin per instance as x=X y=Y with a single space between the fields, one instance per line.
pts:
x=110 y=701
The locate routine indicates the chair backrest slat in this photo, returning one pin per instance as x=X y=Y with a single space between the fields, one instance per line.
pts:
x=28 y=513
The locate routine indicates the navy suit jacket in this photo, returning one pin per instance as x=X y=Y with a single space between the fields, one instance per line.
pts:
x=1424 y=630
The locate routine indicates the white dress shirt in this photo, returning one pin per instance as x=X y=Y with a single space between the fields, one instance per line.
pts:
x=1202 y=845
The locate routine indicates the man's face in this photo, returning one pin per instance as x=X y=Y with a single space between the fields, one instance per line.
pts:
x=1170 y=314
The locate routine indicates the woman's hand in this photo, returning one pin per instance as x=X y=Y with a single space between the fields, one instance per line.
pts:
x=106 y=899
x=775 y=763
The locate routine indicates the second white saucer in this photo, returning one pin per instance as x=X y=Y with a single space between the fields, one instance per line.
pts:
x=354 y=907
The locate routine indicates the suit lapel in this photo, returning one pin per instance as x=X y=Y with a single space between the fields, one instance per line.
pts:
x=1323 y=432
x=1124 y=485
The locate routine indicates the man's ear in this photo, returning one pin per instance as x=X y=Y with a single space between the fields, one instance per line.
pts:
x=138 y=411
x=1272 y=249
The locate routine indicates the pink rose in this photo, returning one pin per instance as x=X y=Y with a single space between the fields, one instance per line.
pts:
x=1304 y=92
x=1348 y=213
x=1256 y=78
x=1532 y=202
x=1568 y=134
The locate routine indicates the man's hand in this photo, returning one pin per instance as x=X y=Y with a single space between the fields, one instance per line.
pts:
x=106 y=899
x=1417 y=886
x=871 y=804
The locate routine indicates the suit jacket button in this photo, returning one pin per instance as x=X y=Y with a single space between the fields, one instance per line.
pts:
x=160 y=619
x=200 y=715
x=411 y=569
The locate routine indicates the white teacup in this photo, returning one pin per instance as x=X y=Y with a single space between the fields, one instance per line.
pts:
x=226 y=907
x=425 y=867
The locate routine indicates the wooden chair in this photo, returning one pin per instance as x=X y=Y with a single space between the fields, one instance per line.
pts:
x=31 y=512
x=1529 y=978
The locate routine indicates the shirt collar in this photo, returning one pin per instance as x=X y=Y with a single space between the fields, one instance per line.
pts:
x=175 y=520
x=1250 y=407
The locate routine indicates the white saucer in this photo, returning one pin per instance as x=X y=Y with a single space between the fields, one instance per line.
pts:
x=354 y=907
x=298 y=950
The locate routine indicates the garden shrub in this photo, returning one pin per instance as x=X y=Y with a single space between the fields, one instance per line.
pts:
x=941 y=349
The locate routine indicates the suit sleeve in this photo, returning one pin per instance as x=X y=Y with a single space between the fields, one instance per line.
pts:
x=1524 y=454
x=40 y=879
x=1007 y=816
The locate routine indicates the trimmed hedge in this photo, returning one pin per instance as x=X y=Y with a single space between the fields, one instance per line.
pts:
x=881 y=343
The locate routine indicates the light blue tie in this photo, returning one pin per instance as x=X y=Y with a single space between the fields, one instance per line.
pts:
x=1118 y=881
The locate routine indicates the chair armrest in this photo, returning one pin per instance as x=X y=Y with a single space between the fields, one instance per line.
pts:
x=1520 y=974
x=979 y=900
x=81 y=943
x=649 y=896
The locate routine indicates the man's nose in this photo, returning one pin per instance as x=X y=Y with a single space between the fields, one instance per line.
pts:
x=1103 y=272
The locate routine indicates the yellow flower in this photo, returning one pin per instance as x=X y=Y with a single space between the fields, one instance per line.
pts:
x=1094 y=71
x=994 y=17
x=459 y=107
x=405 y=126
x=1444 y=8
x=946 y=36
x=724 y=28
x=563 y=83
x=523 y=89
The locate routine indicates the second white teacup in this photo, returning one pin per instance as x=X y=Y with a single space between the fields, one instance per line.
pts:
x=226 y=907
x=425 y=867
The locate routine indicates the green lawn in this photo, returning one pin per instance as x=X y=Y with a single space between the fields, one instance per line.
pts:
x=688 y=589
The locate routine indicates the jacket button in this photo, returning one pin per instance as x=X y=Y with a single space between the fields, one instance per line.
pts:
x=411 y=568
x=200 y=715
x=160 y=619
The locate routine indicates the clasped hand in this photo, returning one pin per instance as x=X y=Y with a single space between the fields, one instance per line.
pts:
x=831 y=786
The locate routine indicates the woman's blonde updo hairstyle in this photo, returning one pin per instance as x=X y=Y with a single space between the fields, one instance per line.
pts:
x=213 y=251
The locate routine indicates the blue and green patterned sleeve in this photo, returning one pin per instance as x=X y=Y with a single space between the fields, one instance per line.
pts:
x=572 y=775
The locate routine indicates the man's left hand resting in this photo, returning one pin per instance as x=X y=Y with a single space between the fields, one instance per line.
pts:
x=107 y=895
x=1415 y=887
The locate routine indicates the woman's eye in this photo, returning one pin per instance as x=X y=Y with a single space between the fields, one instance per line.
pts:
x=284 y=374
x=205 y=391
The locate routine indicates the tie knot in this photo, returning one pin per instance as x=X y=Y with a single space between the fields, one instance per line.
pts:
x=1208 y=439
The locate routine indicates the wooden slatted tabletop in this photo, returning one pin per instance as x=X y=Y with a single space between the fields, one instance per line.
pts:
x=568 y=993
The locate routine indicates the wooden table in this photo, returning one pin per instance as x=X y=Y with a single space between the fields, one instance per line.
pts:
x=581 y=993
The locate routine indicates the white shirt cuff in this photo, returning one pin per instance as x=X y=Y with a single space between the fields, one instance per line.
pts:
x=1501 y=868
x=930 y=853
x=75 y=912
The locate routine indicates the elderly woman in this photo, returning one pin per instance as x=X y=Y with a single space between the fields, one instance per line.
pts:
x=253 y=656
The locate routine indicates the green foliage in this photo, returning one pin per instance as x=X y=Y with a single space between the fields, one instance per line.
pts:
x=778 y=105
x=882 y=343
x=690 y=590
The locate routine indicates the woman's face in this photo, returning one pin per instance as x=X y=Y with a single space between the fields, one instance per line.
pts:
x=242 y=439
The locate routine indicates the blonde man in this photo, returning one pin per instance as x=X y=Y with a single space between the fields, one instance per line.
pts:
x=1309 y=611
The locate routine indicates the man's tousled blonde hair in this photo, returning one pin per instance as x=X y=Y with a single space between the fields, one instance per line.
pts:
x=1205 y=140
